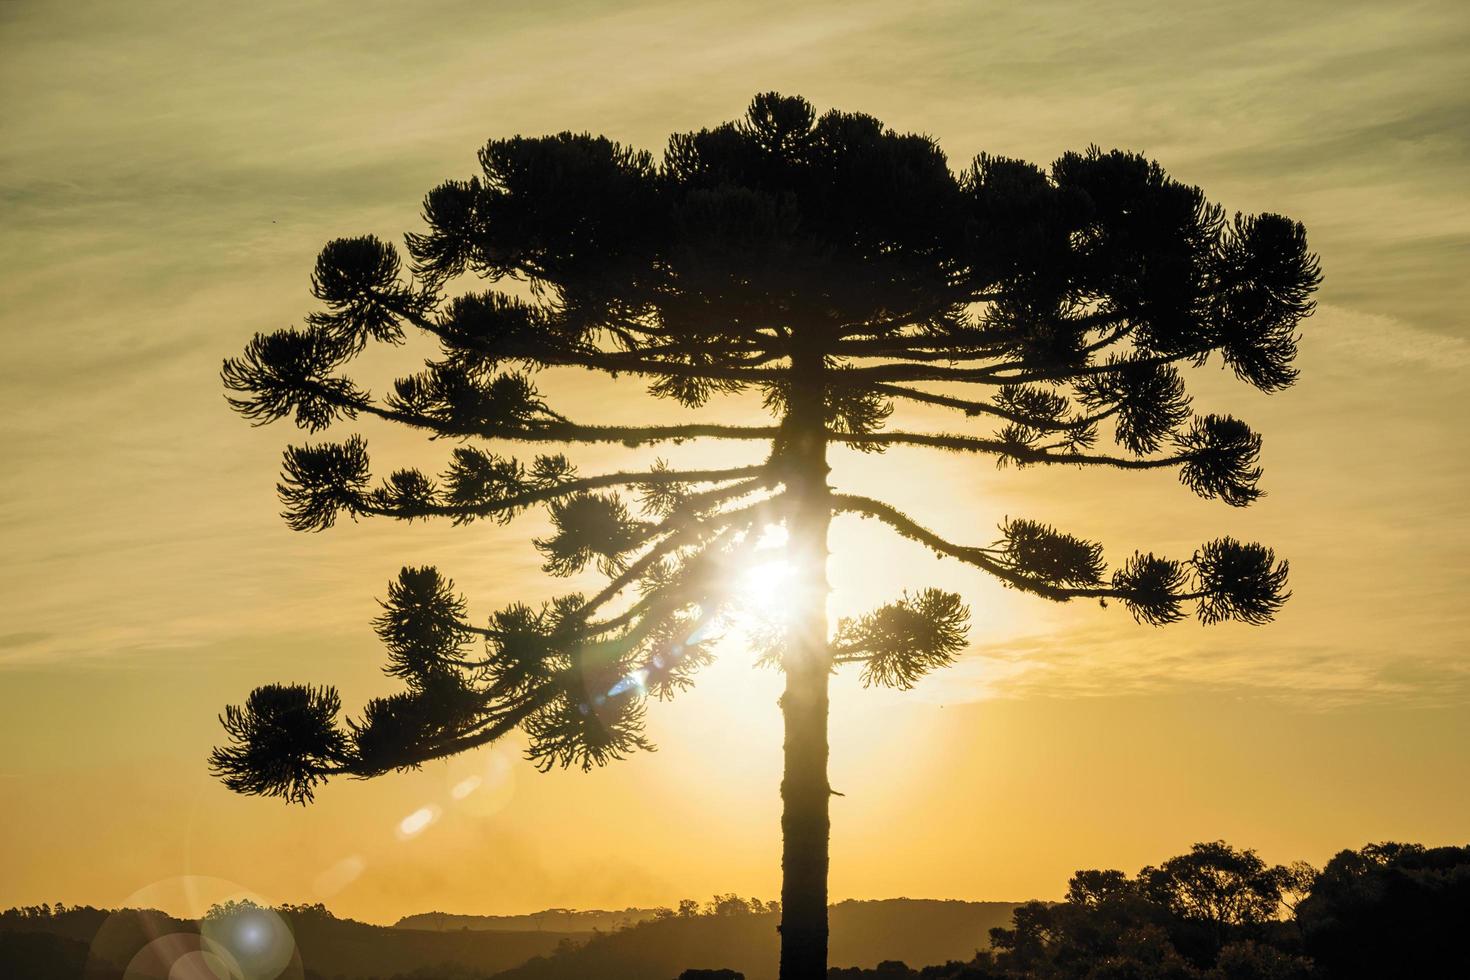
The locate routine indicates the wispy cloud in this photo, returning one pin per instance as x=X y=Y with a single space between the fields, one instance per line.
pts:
x=1105 y=663
x=1372 y=342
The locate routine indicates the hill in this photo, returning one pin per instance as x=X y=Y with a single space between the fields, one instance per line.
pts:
x=332 y=946
x=325 y=945
x=41 y=956
x=914 y=930
x=863 y=934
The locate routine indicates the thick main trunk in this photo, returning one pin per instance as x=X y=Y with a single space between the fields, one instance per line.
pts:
x=805 y=792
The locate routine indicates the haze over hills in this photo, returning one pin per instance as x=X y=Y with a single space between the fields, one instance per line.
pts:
x=554 y=920
x=863 y=934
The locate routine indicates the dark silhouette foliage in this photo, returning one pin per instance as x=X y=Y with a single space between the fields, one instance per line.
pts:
x=1174 y=920
x=41 y=955
x=1390 y=910
x=836 y=268
x=1219 y=913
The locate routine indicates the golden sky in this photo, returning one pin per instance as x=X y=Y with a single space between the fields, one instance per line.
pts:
x=169 y=171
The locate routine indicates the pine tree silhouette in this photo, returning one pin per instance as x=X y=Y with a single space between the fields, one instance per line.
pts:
x=835 y=266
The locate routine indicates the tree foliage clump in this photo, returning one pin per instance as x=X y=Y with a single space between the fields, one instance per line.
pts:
x=1221 y=913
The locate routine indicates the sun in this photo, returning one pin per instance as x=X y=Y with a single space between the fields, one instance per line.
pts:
x=766 y=584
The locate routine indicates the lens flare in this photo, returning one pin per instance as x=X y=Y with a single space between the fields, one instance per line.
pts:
x=481 y=784
x=417 y=821
x=257 y=940
x=238 y=937
x=465 y=787
x=180 y=956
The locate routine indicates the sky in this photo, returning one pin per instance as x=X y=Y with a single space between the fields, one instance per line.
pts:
x=169 y=171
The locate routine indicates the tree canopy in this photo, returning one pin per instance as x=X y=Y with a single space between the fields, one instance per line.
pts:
x=840 y=270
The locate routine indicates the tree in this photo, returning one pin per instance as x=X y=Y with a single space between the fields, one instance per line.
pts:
x=834 y=266
x=1390 y=910
x=1214 y=890
x=1297 y=880
x=1210 y=914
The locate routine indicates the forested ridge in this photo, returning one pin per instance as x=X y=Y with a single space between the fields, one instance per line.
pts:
x=1214 y=913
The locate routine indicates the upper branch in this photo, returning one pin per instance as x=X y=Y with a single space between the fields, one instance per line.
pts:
x=1019 y=371
x=462 y=327
x=1003 y=448
x=390 y=501
x=972 y=408
x=454 y=420
x=1218 y=456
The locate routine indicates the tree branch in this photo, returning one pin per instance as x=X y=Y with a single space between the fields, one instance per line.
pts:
x=544 y=494
x=611 y=361
x=1000 y=447
x=554 y=431
x=675 y=540
x=973 y=408
x=479 y=733
x=991 y=376
x=982 y=558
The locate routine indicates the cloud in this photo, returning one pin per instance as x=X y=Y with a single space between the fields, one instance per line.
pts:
x=26 y=638
x=168 y=189
x=1372 y=342
x=1081 y=663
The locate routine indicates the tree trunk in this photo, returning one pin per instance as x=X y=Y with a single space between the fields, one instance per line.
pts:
x=805 y=792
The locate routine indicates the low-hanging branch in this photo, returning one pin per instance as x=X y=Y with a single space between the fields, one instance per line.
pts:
x=489 y=730
x=1225 y=578
x=986 y=559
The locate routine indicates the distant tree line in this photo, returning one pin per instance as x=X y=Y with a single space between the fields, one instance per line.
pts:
x=730 y=904
x=23 y=913
x=244 y=906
